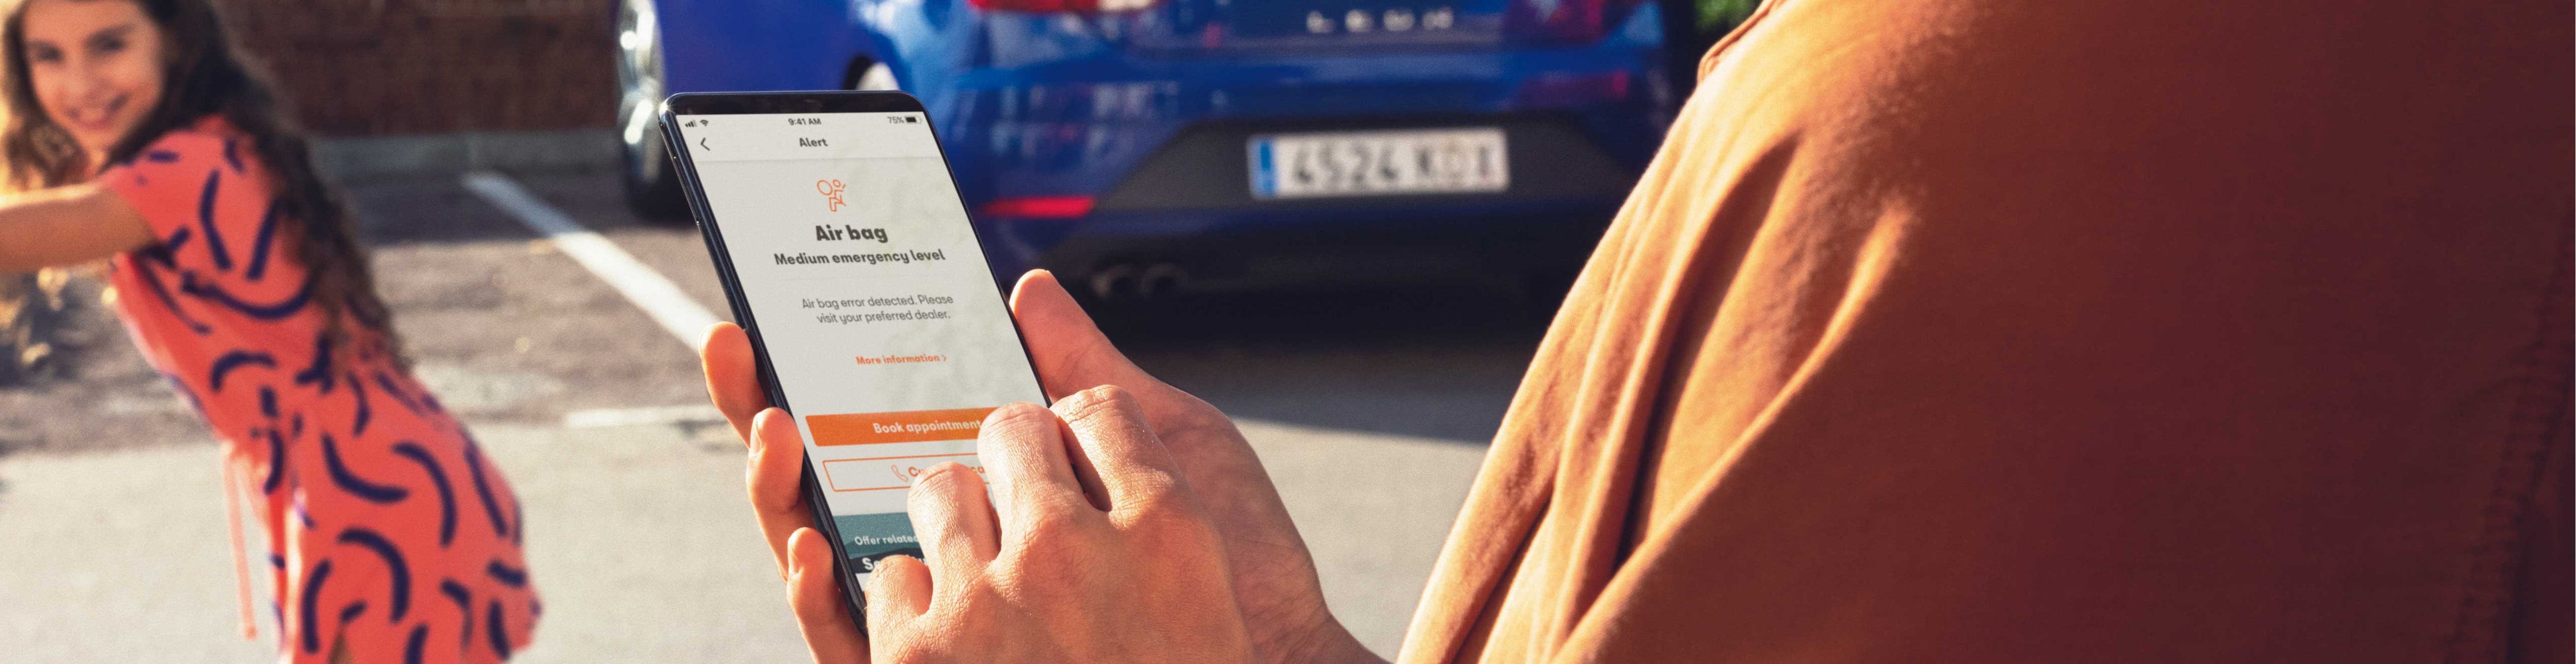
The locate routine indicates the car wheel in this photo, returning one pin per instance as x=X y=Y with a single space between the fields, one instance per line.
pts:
x=652 y=189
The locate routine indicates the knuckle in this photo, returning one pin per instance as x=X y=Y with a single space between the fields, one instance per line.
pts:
x=938 y=485
x=1018 y=418
x=948 y=471
x=1091 y=403
x=932 y=481
x=1016 y=426
x=1016 y=437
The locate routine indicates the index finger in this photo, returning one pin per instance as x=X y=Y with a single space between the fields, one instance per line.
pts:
x=775 y=477
x=1070 y=352
x=732 y=382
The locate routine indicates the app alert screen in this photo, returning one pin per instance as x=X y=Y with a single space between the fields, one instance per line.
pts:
x=870 y=296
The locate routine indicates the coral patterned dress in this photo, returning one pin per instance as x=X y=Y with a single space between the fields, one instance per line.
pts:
x=390 y=537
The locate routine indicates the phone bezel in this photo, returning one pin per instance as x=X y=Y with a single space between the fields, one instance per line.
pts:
x=819 y=102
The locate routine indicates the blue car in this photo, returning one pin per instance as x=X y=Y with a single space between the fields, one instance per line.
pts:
x=1138 y=147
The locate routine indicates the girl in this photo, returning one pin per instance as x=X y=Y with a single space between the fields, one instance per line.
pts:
x=136 y=134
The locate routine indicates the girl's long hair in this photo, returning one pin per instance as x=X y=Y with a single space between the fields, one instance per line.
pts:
x=206 y=76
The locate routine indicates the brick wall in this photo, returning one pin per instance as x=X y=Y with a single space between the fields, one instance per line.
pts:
x=384 y=67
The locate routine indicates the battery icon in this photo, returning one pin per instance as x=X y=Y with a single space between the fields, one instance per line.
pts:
x=911 y=120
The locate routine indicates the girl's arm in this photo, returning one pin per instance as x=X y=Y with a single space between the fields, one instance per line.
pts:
x=66 y=226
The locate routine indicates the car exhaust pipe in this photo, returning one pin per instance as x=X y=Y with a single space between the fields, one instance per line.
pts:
x=1163 y=279
x=1114 y=283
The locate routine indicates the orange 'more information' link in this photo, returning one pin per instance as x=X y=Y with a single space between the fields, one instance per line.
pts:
x=912 y=426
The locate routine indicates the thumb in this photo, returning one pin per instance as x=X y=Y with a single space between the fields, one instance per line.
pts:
x=1070 y=353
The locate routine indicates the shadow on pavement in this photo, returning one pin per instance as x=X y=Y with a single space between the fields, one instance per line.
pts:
x=1429 y=360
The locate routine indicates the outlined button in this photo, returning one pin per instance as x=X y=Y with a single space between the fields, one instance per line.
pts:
x=887 y=473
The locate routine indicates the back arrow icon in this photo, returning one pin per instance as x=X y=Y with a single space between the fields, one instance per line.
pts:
x=702 y=143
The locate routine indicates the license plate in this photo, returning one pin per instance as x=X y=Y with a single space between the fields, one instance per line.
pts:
x=1378 y=163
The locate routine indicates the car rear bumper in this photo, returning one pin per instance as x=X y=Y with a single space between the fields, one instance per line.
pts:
x=1081 y=127
x=1259 y=248
x=1205 y=167
x=1155 y=151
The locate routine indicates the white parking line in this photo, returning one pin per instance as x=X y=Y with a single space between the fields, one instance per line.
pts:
x=648 y=415
x=649 y=290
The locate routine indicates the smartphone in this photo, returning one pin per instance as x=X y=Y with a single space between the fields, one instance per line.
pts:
x=845 y=252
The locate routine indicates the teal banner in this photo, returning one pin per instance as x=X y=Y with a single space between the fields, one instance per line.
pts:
x=869 y=537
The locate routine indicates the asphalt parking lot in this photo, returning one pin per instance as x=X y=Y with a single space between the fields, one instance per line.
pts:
x=1371 y=406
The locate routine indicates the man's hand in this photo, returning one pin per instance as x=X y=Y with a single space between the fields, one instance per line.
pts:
x=1272 y=576
x=1092 y=549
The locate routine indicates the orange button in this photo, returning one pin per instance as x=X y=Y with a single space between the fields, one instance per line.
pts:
x=913 y=426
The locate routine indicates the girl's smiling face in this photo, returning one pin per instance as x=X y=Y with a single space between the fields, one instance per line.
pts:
x=96 y=67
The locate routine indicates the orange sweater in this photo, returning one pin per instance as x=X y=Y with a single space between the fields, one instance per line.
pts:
x=2034 y=330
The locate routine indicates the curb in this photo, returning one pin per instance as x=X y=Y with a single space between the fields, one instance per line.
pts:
x=441 y=155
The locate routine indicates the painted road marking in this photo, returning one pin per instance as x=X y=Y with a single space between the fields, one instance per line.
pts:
x=649 y=290
x=642 y=416
x=684 y=318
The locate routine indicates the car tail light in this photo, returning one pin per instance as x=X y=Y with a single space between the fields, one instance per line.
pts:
x=1567 y=20
x=1572 y=89
x=1063 y=6
x=1039 y=207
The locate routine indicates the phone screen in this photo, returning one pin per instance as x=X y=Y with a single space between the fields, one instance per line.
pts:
x=869 y=293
